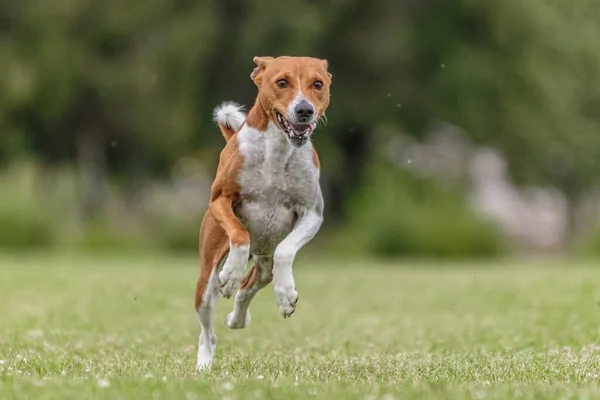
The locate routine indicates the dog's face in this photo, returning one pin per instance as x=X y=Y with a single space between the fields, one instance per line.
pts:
x=294 y=92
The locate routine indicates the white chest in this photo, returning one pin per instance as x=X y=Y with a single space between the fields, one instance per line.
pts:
x=278 y=183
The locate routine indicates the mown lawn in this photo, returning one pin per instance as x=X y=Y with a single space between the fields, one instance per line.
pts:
x=77 y=327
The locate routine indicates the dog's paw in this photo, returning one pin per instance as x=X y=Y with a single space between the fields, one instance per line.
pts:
x=233 y=270
x=229 y=280
x=286 y=297
x=206 y=351
x=204 y=364
x=237 y=321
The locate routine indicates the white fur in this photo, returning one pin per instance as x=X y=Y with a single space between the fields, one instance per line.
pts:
x=234 y=268
x=291 y=110
x=283 y=280
x=207 y=342
x=230 y=114
x=240 y=316
x=279 y=184
x=282 y=208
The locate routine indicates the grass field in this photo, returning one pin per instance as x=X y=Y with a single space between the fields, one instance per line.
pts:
x=75 y=327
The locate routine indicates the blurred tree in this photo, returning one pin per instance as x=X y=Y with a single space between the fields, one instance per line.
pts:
x=128 y=88
x=520 y=76
x=97 y=82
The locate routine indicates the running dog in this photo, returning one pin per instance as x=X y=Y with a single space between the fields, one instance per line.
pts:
x=266 y=202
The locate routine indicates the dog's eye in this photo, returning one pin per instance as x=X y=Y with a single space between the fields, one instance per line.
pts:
x=281 y=84
x=318 y=84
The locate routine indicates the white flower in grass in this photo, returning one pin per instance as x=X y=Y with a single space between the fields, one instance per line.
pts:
x=103 y=383
x=2 y=362
x=228 y=386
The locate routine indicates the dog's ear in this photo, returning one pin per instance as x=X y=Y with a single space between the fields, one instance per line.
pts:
x=326 y=65
x=261 y=64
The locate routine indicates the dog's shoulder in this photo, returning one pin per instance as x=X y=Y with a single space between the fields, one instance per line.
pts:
x=231 y=165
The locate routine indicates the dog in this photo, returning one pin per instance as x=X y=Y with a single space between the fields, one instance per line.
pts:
x=266 y=201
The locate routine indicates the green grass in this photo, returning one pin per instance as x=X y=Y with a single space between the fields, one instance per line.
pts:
x=75 y=327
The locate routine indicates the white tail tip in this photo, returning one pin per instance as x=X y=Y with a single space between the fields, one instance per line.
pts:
x=229 y=114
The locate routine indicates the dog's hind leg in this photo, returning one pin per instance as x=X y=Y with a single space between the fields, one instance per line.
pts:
x=259 y=276
x=213 y=250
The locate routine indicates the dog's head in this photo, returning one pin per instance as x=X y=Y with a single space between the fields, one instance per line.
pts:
x=294 y=92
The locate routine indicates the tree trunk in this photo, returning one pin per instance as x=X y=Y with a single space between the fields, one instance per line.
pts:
x=91 y=162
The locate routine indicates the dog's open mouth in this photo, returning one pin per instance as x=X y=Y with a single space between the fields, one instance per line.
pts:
x=298 y=134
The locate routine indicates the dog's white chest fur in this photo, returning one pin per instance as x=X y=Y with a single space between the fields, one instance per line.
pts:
x=279 y=182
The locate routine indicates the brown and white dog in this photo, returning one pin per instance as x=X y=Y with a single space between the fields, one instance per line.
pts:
x=266 y=202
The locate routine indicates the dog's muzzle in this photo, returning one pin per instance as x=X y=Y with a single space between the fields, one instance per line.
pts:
x=297 y=133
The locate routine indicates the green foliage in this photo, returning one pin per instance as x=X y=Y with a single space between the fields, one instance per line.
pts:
x=101 y=236
x=177 y=234
x=400 y=216
x=23 y=223
x=427 y=230
x=590 y=244
x=518 y=75
x=129 y=76
x=38 y=209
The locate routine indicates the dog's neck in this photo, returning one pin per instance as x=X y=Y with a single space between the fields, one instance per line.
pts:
x=278 y=149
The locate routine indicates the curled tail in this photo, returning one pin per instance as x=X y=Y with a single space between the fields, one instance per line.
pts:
x=230 y=117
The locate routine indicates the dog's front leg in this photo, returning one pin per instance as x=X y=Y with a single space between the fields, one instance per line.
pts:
x=285 y=288
x=221 y=209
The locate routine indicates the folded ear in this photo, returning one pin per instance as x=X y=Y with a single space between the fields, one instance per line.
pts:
x=261 y=65
x=326 y=65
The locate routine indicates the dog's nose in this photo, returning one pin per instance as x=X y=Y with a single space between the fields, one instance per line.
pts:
x=304 y=110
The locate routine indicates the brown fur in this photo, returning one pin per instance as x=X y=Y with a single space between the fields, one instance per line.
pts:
x=225 y=193
x=257 y=117
x=220 y=225
x=214 y=247
x=298 y=71
x=227 y=131
x=316 y=159
x=251 y=277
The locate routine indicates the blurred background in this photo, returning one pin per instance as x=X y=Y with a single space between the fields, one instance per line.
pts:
x=456 y=128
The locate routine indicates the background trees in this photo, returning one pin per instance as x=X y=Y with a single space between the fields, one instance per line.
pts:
x=121 y=92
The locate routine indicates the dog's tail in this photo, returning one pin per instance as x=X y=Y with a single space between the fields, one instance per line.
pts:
x=230 y=117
